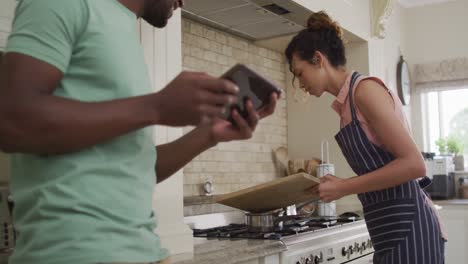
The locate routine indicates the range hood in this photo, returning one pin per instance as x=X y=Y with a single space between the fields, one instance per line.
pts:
x=251 y=19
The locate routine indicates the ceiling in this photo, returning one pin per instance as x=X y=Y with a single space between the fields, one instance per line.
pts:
x=415 y=3
x=253 y=19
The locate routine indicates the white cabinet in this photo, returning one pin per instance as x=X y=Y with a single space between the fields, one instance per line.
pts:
x=455 y=218
x=163 y=50
x=271 y=259
x=7 y=9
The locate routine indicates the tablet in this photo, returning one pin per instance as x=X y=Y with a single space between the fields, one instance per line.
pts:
x=251 y=86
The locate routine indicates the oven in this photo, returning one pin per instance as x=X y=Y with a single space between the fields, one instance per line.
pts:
x=364 y=260
x=348 y=243
x=311 y=240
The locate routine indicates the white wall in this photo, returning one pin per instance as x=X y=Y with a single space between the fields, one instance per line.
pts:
x=7 y=8
x=385 y=53
x=430 y=34
x=163 y=54
x=436 y=32
x=353 y=15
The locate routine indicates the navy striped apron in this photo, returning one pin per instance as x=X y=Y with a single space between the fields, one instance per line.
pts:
x=402 y=225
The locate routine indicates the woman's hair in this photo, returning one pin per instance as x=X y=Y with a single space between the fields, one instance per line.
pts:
x=322 y=34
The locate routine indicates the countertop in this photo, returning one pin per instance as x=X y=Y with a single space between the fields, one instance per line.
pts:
x=223 y=251
x=452 y=202
x=217 y=251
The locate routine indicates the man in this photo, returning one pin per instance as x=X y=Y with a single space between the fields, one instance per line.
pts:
x=75 y=108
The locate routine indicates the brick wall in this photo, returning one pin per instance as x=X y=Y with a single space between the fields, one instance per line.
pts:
x=234 y=165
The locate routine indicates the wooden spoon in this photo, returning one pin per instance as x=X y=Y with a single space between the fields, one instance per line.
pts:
x=281 y=155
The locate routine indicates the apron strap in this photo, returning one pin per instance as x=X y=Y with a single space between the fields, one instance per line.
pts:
x=354 y=77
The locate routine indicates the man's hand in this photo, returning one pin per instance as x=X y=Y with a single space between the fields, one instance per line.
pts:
x=223 y=131
x=206 y=135
x=192 y=96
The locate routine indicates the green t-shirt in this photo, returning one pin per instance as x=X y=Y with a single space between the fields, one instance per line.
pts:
x=95 y=205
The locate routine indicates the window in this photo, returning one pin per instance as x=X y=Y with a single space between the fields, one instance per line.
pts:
x=446 y=115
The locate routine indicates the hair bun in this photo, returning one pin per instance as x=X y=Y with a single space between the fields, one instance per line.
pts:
x=321 y=20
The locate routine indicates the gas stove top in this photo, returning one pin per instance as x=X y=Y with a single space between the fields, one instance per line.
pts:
x=327 y=240
x=290 y=227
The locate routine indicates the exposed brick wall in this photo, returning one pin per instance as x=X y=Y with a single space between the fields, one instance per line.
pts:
x=234 y=165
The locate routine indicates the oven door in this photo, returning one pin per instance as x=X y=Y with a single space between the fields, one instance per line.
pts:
x=367 y=259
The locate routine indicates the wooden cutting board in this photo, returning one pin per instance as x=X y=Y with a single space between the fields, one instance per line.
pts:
x=272 y=195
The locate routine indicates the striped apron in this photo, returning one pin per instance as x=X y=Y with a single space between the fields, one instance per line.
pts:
x=402 y=225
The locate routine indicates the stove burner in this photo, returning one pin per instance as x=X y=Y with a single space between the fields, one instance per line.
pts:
x=293 y=226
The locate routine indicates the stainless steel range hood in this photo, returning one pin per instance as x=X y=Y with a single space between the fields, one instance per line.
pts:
x=251 y=19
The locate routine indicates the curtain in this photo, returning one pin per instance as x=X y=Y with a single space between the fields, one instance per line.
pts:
x=441 y=76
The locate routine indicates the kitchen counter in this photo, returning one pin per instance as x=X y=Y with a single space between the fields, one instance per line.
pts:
x=452 y=202
x=217 y=251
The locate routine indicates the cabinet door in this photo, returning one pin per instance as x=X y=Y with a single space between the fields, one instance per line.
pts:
x=455 y=219
x=7 y=9
x=271 y=259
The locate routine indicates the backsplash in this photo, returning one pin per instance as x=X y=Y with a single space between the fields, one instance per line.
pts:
x=234 y=165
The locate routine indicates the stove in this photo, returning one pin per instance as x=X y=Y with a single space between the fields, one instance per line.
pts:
x=290 y=227
x=310 y=240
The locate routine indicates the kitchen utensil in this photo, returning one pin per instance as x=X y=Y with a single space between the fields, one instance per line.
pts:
x=260 y=222
x=281 y=155
x=311 y=166
x=301 y=165
x=306 y=208
x=271 y=221
x=272 y=195
x=296 y=166
x=326 y=209
x=325 y=168
x=463 y=189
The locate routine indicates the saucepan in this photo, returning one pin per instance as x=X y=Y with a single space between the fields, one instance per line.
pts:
x=274 y=220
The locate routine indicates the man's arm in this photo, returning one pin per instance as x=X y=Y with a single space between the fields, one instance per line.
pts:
x=174 y=155
x=33 y=120
x=36 y=121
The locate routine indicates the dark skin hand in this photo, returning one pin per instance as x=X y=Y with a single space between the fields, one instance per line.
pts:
x=208 y=135
x=36 y=121
x=42 y=123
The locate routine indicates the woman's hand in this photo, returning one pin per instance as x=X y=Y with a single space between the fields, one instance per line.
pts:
x=331 y=188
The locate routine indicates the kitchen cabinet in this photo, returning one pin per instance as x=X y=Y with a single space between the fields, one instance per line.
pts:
x=162 y=49
x=454 y=216
x=7 y=9
x=272 y=259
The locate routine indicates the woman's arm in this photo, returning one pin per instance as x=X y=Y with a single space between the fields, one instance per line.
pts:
x=377 y=107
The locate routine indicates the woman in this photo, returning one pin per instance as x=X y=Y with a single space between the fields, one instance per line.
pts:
x=375 y=139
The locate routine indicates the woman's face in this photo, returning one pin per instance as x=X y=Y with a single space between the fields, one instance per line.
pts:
x=310 y=75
